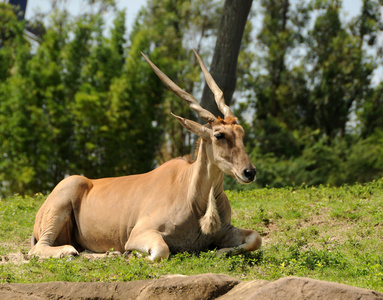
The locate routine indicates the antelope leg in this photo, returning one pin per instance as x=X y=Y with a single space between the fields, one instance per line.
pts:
x=236 y=240
x=150 y=242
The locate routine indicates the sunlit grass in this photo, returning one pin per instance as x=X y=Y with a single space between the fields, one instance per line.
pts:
x=325 y=233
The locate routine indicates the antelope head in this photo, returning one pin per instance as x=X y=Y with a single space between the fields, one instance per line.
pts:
x=223 y=137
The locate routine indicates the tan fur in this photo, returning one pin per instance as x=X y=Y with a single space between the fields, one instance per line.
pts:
x=177 y=207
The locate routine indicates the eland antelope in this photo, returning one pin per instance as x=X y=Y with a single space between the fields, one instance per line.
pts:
x=179 y=206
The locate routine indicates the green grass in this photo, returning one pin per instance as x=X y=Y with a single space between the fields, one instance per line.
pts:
x=326 y=233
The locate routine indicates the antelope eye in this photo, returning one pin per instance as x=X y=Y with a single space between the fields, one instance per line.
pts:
x=219 y=135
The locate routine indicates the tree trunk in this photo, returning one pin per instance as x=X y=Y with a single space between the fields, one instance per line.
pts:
x=224 y=64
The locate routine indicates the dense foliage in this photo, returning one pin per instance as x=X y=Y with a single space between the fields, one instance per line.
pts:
x=82 y=100
x=316 y=109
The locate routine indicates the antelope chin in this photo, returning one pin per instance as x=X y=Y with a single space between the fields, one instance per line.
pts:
x=242 y=180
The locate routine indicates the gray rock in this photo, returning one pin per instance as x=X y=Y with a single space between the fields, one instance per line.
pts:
x=299 y=288
x=205 y=286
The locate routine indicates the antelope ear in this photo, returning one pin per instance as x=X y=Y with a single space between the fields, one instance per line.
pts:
x=194 y=127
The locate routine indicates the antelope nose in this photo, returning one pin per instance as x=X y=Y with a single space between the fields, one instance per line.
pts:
x=250 y=173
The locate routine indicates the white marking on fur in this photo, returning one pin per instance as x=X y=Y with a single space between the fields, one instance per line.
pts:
x=158 y=254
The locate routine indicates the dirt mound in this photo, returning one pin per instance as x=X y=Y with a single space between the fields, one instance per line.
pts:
x=205 y=286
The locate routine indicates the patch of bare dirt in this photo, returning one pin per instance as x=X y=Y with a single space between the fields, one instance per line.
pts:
x=20 y=258
x=15 y=258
